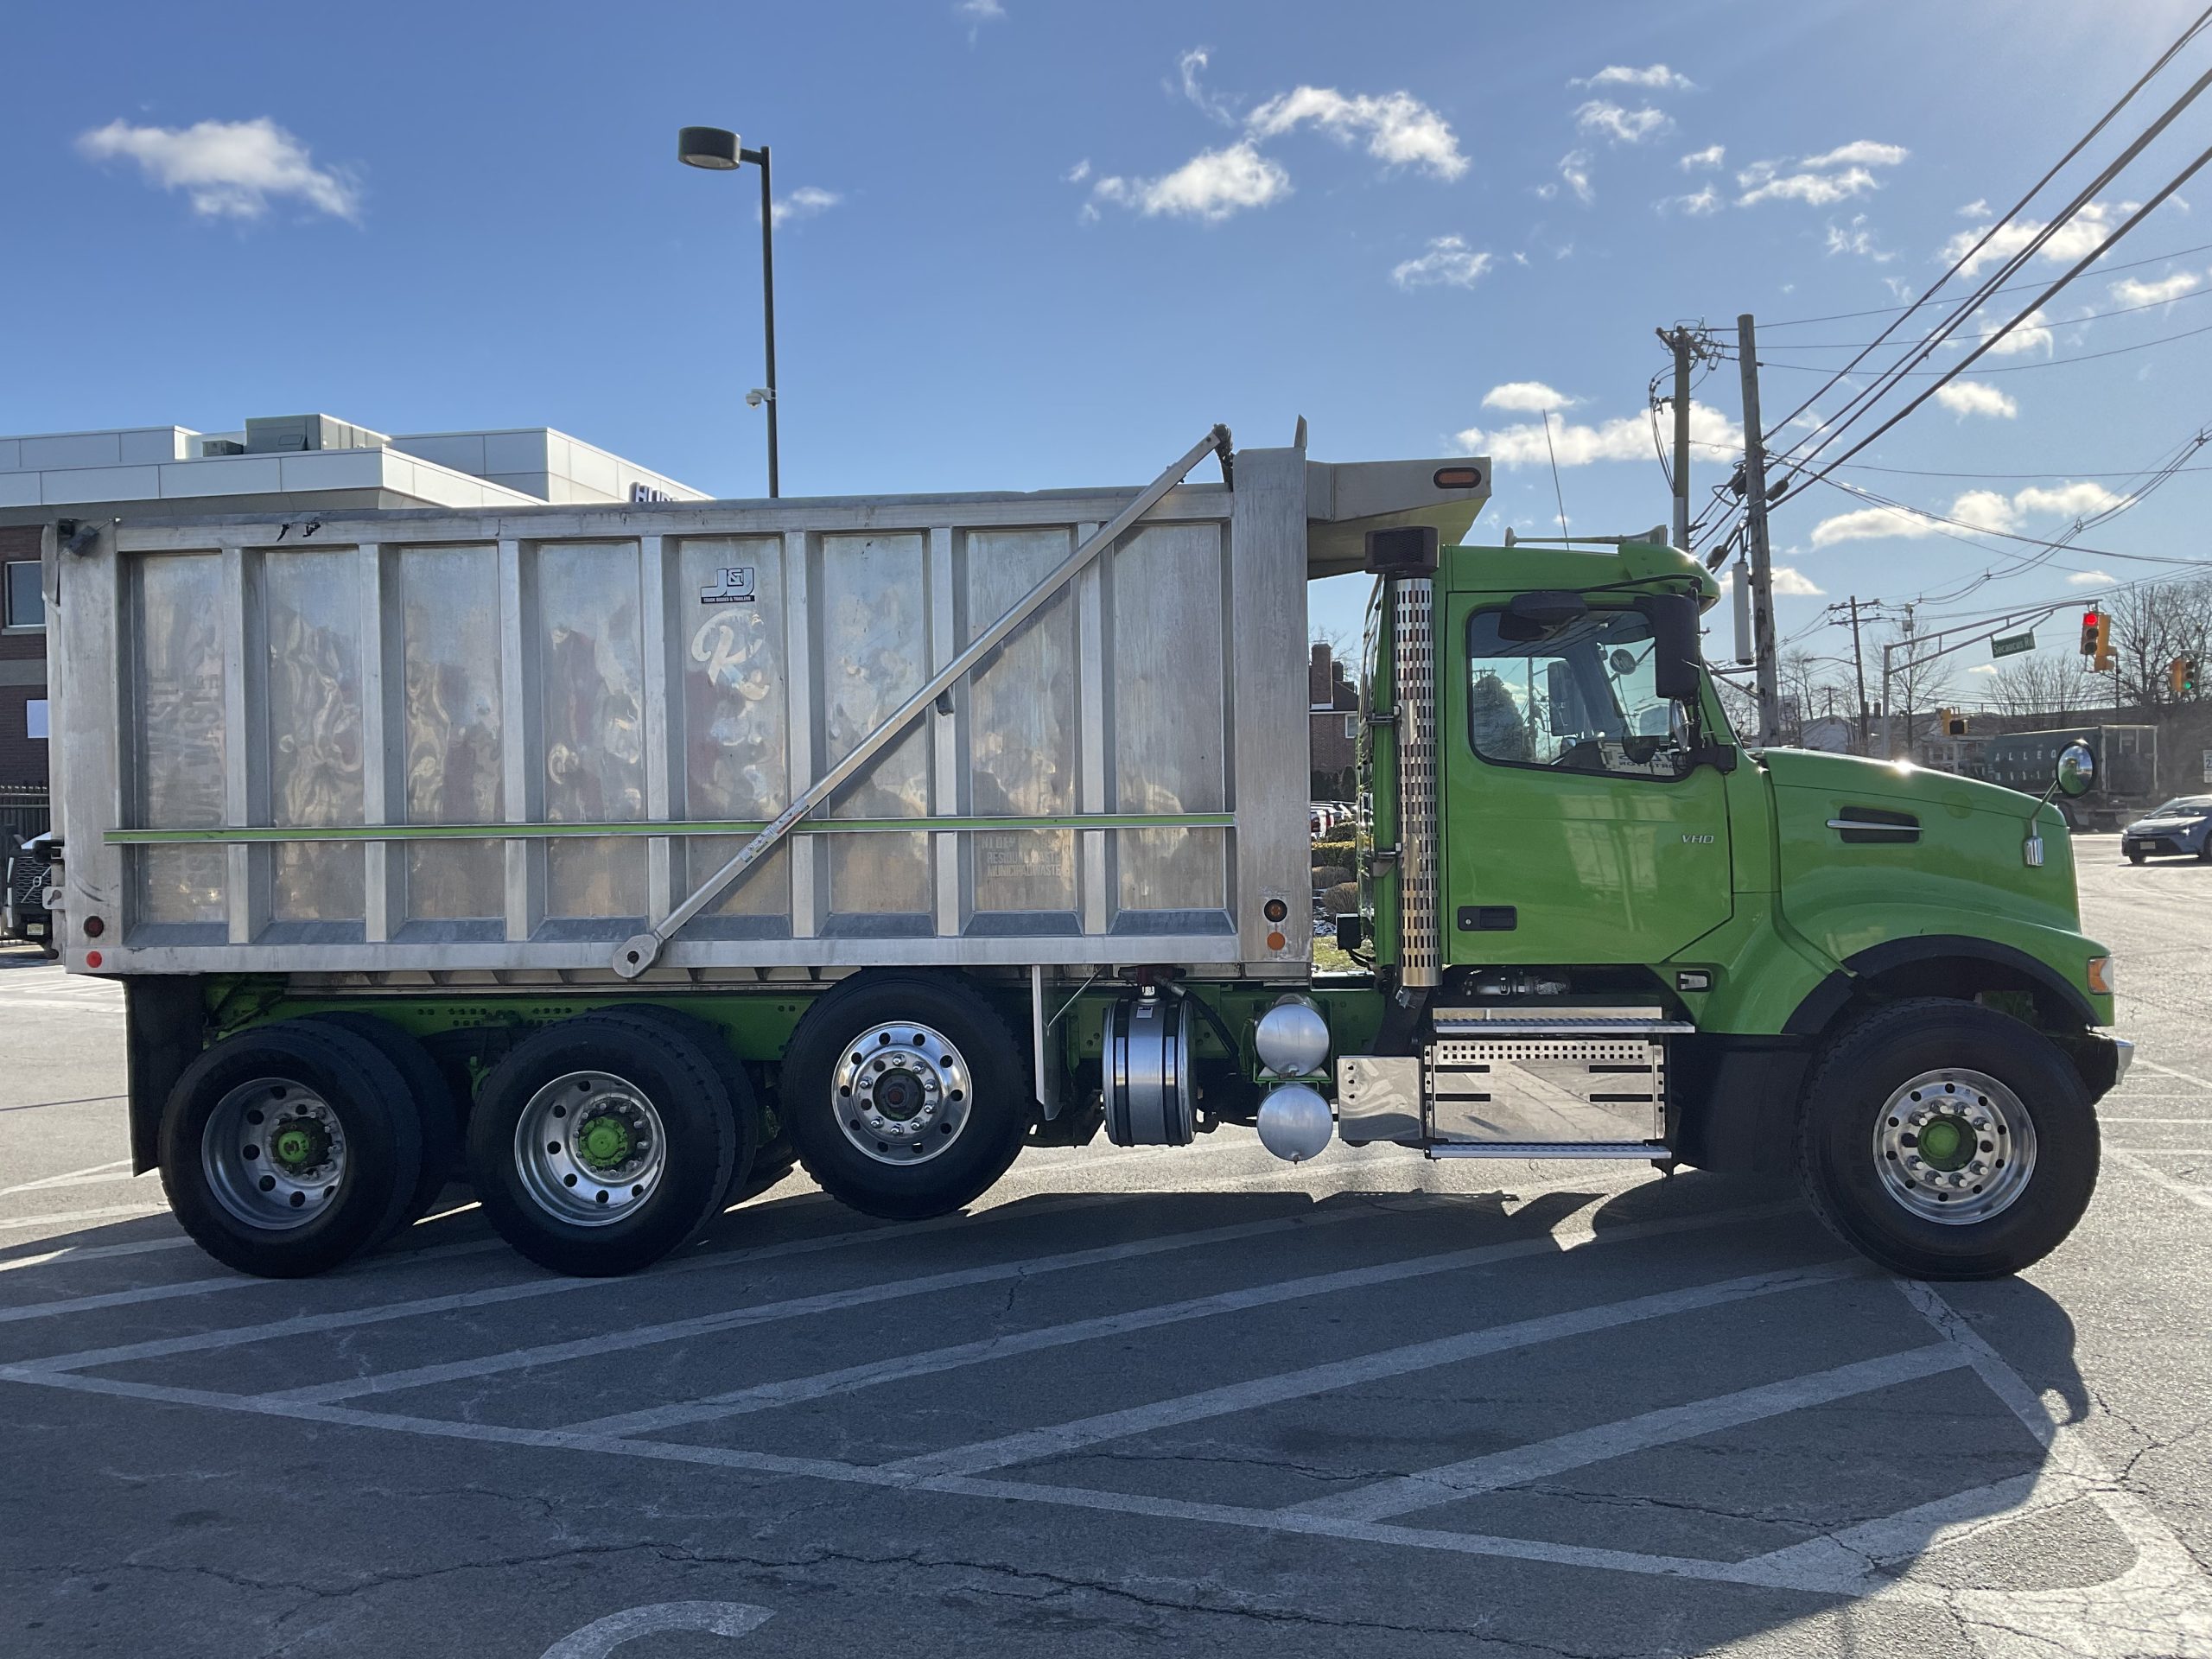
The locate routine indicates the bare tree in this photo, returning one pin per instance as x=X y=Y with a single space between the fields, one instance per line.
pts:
x=2152 y=626
x=2046 y=683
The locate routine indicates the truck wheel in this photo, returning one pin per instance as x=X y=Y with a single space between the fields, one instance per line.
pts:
x=602 y=1143
x=428 y=1095
x=1946 y=1141
x=286 y=1148
x=904 y=1095
x=2136 y=855
x=737 y=1081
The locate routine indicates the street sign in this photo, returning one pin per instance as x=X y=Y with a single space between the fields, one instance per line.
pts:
x=2011 y=645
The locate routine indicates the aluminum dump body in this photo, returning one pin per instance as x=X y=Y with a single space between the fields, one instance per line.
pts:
x=447 y=746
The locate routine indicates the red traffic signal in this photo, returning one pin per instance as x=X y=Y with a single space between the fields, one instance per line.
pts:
x=2090 y=619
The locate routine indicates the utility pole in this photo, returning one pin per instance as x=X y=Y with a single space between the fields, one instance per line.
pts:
x=1769 y=695
x=1687 y=344
x=1858 y=661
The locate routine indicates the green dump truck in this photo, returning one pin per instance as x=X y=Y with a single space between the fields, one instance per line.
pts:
x=614 y=859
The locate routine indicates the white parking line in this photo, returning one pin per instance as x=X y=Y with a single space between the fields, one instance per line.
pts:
x=1470 y=1476
x=2200 y=1196
x=833 y=1301
x=70 y=1255
x=767 y=1395
x=308 y=1324
x=71 y=1177
x=1059 y=1439
x=71 y=1217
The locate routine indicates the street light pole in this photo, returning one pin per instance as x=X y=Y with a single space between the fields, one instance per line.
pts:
x=718 y=150
x=768 y=301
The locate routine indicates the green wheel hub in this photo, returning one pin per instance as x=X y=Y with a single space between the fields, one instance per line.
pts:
x=1946 y=1142
x=604 y=1142
x=299 y=1144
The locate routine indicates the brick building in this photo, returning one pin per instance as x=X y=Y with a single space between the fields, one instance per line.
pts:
x=282 y=464
x=1333 y=726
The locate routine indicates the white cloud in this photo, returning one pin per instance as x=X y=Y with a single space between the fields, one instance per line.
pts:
x=2069 y=501
x=1976 y=509
x=1983 y=668
x=1187 y=69
x=1627 y=437
x=1078 y=172
x=807 y=201
x=1621 y=126
x=1711 y=156
x=1857 y=238
x=979 y=11
x=2091 y=578
x=2070 y=242
x=1978 y=208
x=1399 y=128
x=1212 y=186
x=1527 y=397
x=1449 y=262
x=1863 y=153
x=2032 y=334
x=1792 y=583
x=1658 y=77
x=1815 y=189
x=1575 y=168
x=2130 y=291
x=1965 y=397
x=1697 y=206
x=227 y=169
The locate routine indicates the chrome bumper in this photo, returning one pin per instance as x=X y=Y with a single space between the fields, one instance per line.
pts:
x=2123 y=1057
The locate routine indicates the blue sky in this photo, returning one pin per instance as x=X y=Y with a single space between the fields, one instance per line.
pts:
x=1030 y=245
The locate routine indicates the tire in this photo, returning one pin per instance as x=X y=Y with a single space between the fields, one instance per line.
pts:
x=737 y=1082
x=667 y=1136
x=317 y=1087
x=2136 y=855
x=2012 y=1173
x=427 y=1092
x=954 y=1114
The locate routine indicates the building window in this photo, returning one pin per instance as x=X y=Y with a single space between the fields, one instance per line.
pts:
x=26 y=603
x=1351 y=727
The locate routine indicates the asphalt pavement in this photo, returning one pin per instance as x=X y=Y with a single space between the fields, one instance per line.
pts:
x=1138 y=1402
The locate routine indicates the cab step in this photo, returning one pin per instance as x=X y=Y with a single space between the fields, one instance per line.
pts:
x=1637 y=1149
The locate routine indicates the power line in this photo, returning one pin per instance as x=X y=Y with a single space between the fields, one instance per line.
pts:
x=2086 y=316
x=2017 y=288
x=2053 y=362
x=2014 y=264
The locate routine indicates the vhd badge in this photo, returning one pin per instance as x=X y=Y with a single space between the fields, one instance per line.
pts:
x=735 y=586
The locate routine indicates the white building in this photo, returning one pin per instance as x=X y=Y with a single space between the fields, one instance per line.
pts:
x=277 y=464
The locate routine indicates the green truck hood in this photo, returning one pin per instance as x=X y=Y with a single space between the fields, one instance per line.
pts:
x=1906 y=784
x=1964 y=874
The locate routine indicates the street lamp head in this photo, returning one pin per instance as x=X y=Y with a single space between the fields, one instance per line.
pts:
x=707 y=147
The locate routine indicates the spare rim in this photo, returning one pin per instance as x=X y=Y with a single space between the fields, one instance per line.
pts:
x=273 y=1153
x=590 y=1147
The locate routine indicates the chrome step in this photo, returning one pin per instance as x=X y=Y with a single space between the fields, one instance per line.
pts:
x=1455 y=1022
x=1644 y=1149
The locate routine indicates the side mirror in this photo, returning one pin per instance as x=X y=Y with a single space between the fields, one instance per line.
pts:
x=1673 y=646
x=2077 y=770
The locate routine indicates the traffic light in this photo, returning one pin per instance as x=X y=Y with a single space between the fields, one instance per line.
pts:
x=1954 y=725
x=2180 y=677
x=2090 y=619
x=2101 y=662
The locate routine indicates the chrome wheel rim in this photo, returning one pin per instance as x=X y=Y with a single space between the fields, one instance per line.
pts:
x=902 y=1093
x=1954 y=1146
x=590 y=1149
x=273 y=1153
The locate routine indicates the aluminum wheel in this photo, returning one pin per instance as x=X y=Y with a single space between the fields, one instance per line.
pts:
x=901 y=1093
x=1954 y=1146
x=273 y=1153
x=590 y=1149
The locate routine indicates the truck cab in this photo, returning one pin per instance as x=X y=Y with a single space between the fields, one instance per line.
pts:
x=1605 y=927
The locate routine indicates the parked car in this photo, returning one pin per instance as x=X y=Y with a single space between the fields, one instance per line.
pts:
x=2180 y=829
x=23 y=911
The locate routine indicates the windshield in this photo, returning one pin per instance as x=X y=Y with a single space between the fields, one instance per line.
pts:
x=2181 y=805
x=1580 y=697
